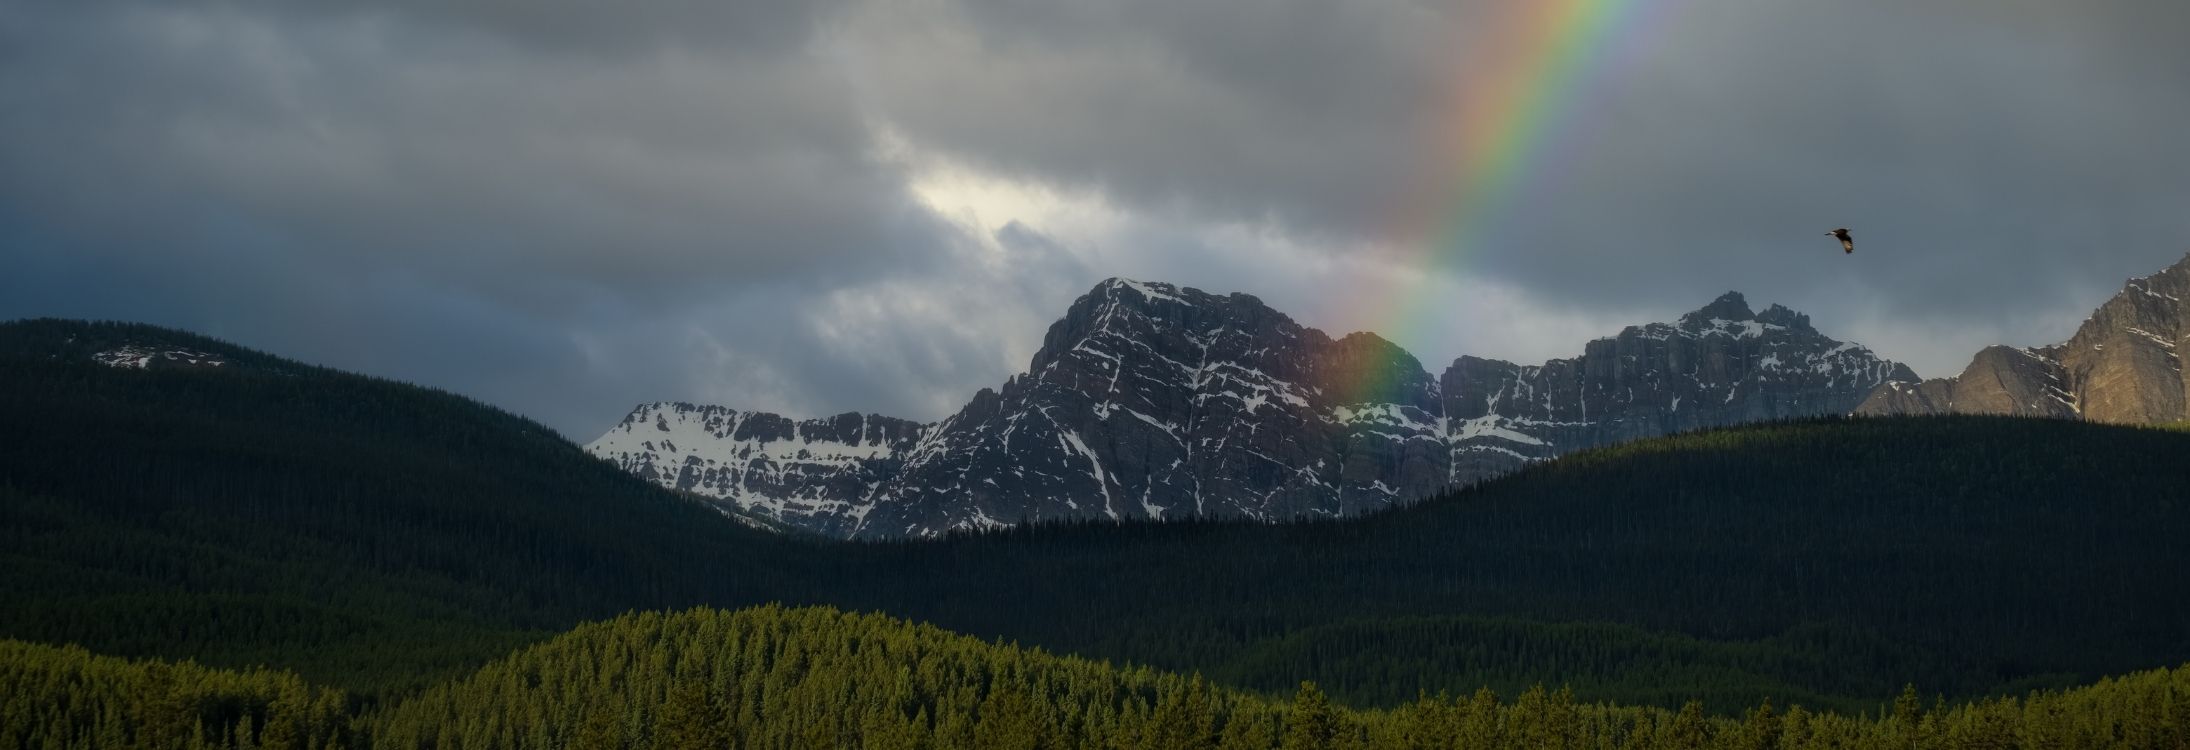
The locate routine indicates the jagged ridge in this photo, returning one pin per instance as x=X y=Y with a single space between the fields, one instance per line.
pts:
x=2122 y=365
x=1154 y=401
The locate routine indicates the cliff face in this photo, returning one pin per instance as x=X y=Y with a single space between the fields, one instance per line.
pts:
x=2123 y=365
x=1155 y=401
x=809 y=474
x=1718 y=365
x=1152 y=401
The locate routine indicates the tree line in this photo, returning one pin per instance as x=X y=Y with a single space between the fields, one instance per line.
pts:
x=796 y=678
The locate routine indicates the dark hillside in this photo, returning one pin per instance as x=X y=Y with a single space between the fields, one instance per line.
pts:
x=261 y=510
x=1962 y=553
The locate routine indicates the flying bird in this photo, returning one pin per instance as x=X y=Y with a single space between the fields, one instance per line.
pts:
x=1847 y=243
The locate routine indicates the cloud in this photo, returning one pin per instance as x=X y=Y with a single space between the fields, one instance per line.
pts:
x=1995 y=159
x=1298 y=112
x=386 y=192
x=565 y=208
x=386 y=145
x=579 y=27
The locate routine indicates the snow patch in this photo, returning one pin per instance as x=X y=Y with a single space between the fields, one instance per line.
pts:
x=2155 y=338
x=697 y=449
x=1072 y=442
x=1149 y=291
x=1492 y=426
x=134 y=357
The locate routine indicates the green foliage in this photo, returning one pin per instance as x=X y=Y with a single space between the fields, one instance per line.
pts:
x=772 y=677
x=66 y=697
x=1312 y=723
x=1606 y=662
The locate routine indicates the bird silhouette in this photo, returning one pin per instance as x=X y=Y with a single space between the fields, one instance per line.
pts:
x=1847 y=243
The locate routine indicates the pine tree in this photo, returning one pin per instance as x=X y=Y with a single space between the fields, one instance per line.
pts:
x=690 y=720
x=1007 y=722
x=1687 y=730
x=1310 y=724
x=1247 y=732
x=599 y=730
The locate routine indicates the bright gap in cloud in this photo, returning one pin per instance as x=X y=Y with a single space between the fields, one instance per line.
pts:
x=1334 y=287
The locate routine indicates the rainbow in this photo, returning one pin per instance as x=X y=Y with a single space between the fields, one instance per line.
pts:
x=1514 y=102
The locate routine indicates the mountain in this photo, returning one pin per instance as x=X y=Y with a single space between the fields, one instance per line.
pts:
x=1720 y=365
x=1154 y=401
x=377 y=536
x=2122 y=366
x=811 y=474
x=163 y=493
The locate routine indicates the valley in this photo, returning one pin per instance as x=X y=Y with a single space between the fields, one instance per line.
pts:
x=382 y=538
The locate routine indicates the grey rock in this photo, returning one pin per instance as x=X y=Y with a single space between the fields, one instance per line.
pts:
x=1151 y=401
x=2122 y=366
x=1719 y=365
x=804 y=474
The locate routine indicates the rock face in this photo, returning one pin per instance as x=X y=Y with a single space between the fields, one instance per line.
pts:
x=2122 y=366
x=1154 y=401
x=1717 y=366
x=1150 y=401
x=807 y=474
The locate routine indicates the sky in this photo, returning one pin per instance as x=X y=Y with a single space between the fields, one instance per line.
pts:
x=565 y=208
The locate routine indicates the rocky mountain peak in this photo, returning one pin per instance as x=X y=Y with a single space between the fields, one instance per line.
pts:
x=1776 y=315
x=1364 y=368
x=2123 y=365
x=2165 y=288
x=1729 y=306
x=1164 y=316
x=1121 y=289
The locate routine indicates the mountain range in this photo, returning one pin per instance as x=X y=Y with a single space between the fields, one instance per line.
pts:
x=2123 y=365
x=1153 y=401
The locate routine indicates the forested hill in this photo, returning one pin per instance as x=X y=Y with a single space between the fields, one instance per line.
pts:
x=1965 y=554
x=712 y=679
x=380 y=536
x=263 y=511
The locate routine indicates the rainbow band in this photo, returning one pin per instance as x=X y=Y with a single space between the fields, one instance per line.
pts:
x=1512 y=106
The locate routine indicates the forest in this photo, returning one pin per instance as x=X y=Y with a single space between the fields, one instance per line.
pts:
x=363 y=537
x=771 y=677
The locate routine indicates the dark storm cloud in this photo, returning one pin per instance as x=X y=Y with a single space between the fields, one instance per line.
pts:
x=1980 y=151
x=1993 y=158
x=588 y=27
x=565 y=207
x=383 y=191
x=1303 y=112
x=362 y=139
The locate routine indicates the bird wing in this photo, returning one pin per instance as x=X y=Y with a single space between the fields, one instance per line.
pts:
x=1847 y=245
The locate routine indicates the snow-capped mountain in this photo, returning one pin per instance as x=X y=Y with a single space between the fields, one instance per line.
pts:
x=1154 y=401
x=2123 y=365
x=813 y=474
